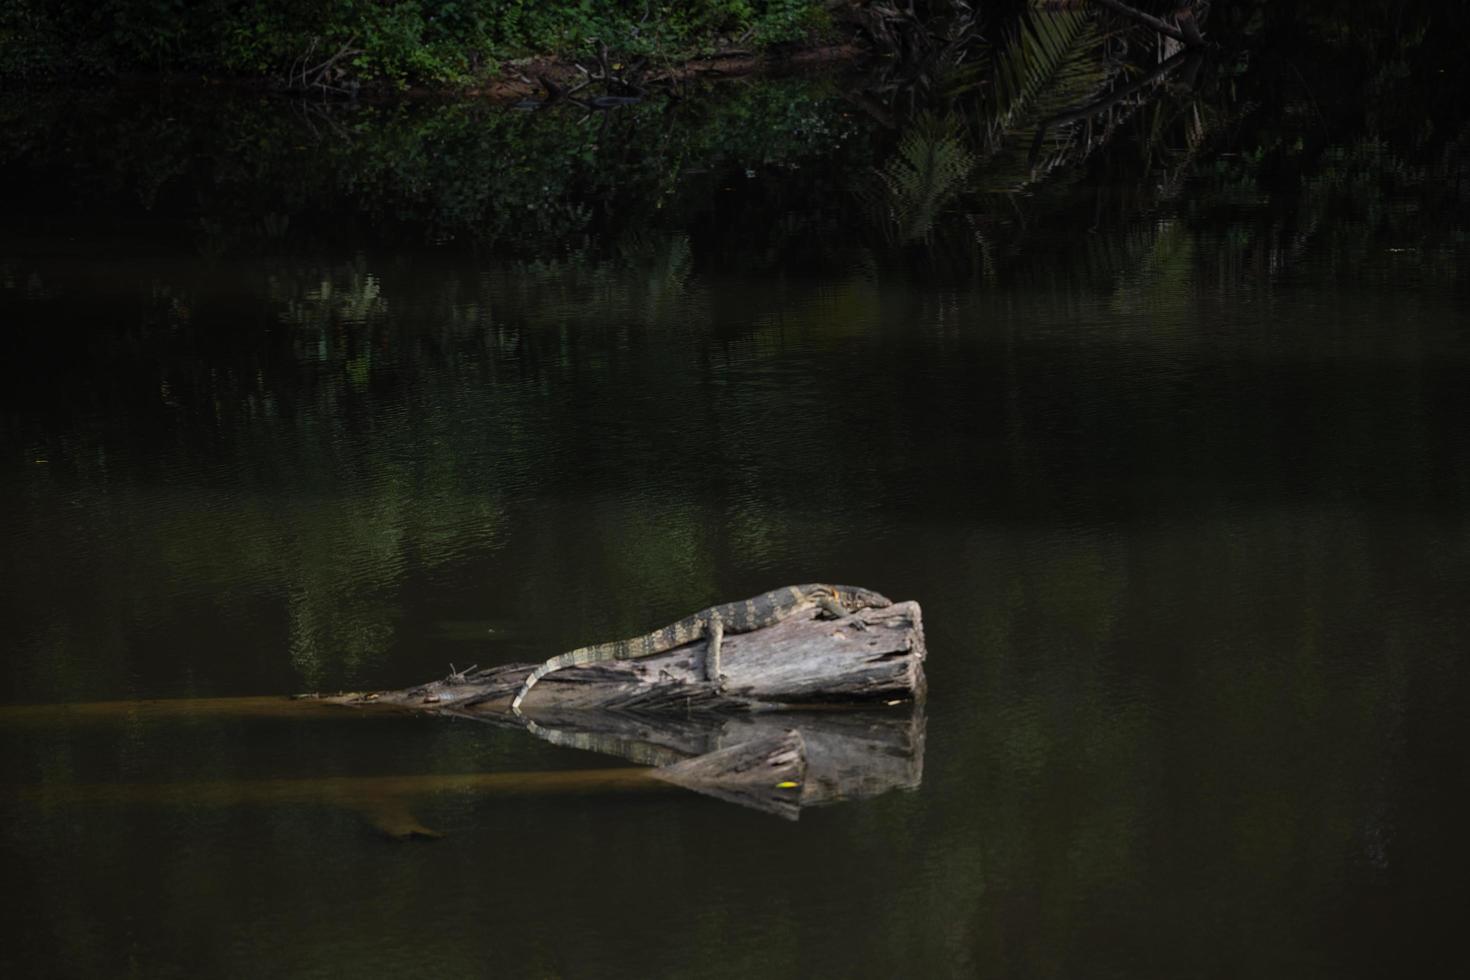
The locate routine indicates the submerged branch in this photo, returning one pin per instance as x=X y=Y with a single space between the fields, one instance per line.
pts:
x=381 y=800
x=162 y=709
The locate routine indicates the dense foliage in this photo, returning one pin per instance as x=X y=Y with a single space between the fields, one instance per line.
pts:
x=396 y=41
x=987 y=173
x=248 y=175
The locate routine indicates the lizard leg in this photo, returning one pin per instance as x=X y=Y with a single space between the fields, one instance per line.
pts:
x=714 y=635
x=832 y=609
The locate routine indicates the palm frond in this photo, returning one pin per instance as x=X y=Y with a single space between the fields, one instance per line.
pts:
x=926 y=173
x=1052 y=62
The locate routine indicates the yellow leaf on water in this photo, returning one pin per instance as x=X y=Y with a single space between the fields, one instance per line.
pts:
x=787 y=784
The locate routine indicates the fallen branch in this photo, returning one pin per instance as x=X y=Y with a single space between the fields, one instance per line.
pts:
x=305 y=76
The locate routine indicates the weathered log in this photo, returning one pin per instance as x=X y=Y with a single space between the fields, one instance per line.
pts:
x=802 y=660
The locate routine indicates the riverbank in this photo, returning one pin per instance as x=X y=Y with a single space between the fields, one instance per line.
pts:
x=556 y=77
x=503 y=48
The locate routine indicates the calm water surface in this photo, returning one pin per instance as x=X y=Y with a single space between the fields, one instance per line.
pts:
x=1190 y=538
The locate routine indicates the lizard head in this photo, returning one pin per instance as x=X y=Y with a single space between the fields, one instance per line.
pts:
x=852 y=597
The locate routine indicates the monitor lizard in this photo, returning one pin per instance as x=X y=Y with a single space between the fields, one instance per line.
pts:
x=766 y=609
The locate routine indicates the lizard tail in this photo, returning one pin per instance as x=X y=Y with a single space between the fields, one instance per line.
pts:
x=572 y=659
x=530 y=682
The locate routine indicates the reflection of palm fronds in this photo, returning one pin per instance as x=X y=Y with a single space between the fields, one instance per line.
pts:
x=1053 y=62
x=347 y=295
x=650 y=280
x=927 y=172
x=1176 y=134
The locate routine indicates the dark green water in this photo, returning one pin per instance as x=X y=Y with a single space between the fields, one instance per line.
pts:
x=1184 y=499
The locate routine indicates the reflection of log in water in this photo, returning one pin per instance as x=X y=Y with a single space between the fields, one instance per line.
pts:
x=846 y=755
x=768 y=773
x=776 y=769
x=838 y=756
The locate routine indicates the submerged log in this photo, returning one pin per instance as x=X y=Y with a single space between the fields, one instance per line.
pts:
x=161 y=710
x=384 y=801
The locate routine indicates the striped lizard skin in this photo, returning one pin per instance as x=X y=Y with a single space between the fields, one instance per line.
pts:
x=766 y=609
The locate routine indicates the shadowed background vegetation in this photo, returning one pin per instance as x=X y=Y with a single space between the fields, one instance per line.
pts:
x=389 y=42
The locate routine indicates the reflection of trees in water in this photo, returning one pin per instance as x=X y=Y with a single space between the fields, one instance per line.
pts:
x=331 y=559
x=649 y=282
x=352 y=297
x=290 y=482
